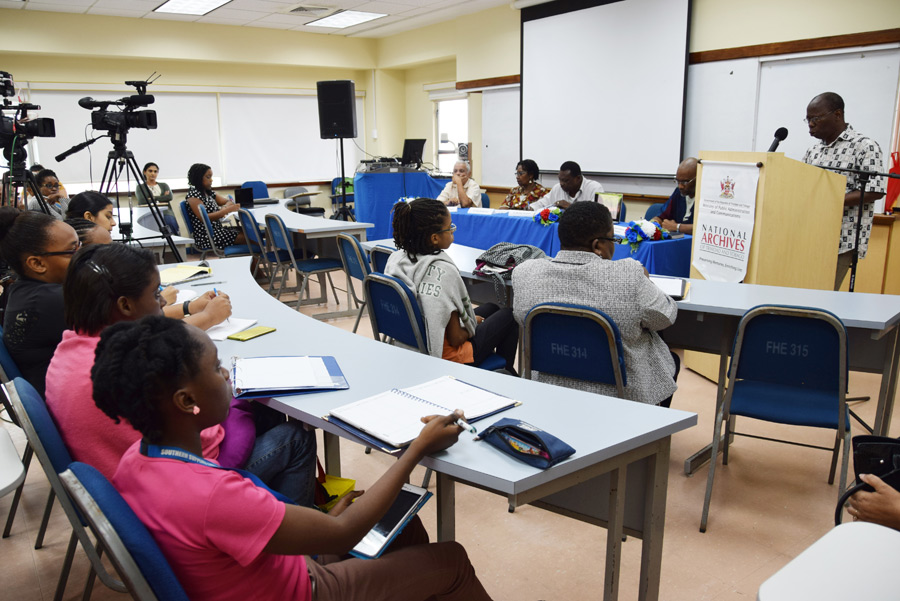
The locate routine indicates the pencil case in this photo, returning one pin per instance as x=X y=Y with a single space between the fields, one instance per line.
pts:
x=526 y=443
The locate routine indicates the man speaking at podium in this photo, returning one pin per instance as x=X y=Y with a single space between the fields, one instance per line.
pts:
x=841 y=147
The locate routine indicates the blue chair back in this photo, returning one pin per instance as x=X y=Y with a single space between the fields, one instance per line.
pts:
x=260 y=190
x=574 y=341
x=653 y=210
x=394 y=311
x=186 y=213
x=485 y=200
x=10 y=369
x=380 y=256
x=278 y=235
x=790 y=346
x=251 y=231
x=353 y=257
x=138 y=559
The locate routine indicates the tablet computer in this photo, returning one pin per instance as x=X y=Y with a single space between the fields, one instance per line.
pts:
x=406 y=505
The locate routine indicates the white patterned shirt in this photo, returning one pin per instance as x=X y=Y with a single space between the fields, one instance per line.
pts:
x=586 y=192
x=851 y=150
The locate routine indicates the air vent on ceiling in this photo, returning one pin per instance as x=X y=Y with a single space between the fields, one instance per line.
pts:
x=308 y=10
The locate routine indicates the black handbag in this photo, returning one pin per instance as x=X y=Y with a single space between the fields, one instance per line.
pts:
x=877 y=455
x=498 y=261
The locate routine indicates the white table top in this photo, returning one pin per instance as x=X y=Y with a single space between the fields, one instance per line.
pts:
x=312 y=227
x=597 y=427
x=855 y=560
x=144 y=228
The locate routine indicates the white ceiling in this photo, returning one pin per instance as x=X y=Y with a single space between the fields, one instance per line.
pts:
x=402 y=15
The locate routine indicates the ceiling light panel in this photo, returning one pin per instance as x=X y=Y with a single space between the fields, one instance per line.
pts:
x=190 y=7
x=345 y=18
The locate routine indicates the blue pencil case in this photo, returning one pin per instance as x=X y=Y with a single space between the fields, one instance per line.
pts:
x=526 y=443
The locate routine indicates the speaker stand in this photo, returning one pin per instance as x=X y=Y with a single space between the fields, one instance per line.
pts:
x=343 y=213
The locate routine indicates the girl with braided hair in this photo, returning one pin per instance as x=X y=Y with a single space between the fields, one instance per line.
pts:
x=111 y=283
x=455 y=331
x=228 y=538
x=89 y=232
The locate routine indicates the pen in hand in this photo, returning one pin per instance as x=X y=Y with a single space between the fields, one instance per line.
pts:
x=216 y=292
x=465 y=426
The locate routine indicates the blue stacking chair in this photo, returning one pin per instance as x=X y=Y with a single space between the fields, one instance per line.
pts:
x=590 y=337
x=10 y=371
x=485 y=201
x=136 y=556
x=653 y=210
x=284 y=257
x=256 y=242
x=260 y=190
x=353 y=257
x=54 y=457
x=379 y=256
x=232 y=250
x=789 y=366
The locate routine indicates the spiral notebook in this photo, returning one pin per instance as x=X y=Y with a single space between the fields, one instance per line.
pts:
x=394 y=417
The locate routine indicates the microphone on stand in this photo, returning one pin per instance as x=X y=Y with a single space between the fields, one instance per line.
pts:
x=780 y=134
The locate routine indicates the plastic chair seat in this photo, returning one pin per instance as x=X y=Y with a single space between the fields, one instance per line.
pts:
x=785 y=404
x=494 y=362
x=236 y=250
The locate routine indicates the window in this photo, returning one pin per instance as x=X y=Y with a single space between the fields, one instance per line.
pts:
x=452 y=119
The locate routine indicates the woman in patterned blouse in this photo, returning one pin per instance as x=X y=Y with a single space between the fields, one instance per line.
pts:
x=217 y=207
x=528 y=190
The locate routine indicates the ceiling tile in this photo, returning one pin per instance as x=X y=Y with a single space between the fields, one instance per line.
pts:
x=56 y=8
x=70 y=3
x=10 y=4
x=237 y=15
x=142 y=5
x=116 y=12
x=170 y=17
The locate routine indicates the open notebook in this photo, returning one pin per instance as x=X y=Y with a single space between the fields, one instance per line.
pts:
x=394 y=417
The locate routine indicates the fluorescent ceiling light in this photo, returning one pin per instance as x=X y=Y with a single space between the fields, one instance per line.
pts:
x=190 y=7
x=345 y=18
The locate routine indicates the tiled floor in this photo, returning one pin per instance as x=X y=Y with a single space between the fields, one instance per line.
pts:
x=769 y=503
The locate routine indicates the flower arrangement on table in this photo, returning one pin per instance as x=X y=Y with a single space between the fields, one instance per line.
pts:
x=641 y=230
x=548 y=216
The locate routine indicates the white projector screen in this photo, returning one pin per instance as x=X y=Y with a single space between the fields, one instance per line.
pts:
x=604 y=86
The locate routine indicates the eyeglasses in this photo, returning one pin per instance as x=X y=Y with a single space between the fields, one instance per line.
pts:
x=50 y=186
x=683 y=182
x=450 y=229
x=815 y=119
x=520 y=173
x=607 y=239
x=57 y=253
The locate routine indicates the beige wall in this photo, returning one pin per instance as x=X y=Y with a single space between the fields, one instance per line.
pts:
x=419 y=108
x=733 y=23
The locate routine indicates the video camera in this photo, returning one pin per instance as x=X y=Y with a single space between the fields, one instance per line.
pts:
x=128 y=117
x=16 y=130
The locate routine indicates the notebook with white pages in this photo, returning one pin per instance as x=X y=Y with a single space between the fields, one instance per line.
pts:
x=677 y=288
x=394 y=416
x=254 y=377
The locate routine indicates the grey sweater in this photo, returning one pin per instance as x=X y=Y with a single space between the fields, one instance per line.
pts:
x=440 y=290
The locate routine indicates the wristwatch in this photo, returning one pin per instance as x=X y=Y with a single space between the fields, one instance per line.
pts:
x=678 y=228
x=186 y=307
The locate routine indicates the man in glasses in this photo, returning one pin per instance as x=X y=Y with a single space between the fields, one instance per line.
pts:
x=840 y=146
x=583 y=273
x=678 y=214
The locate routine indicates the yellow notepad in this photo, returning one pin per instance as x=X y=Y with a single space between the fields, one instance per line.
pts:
x=183 y=273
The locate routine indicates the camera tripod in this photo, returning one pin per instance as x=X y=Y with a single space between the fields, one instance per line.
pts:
x=20 y=179
x=343 y=213
x=121 y=161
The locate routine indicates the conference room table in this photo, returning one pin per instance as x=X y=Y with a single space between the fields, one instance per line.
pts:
x=375 y=194
x=617 y=478
x=323 y=231
x=708 y=318
x=145 y=232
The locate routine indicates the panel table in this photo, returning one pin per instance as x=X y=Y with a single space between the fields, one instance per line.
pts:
x=617 y=478
x=376 y=193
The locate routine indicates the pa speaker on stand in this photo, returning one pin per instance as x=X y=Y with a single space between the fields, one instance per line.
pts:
x=337 y=119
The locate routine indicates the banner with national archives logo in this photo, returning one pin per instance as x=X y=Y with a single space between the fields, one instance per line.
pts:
x=725 y=218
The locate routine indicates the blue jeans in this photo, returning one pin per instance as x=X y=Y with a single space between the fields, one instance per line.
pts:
x=285 y=459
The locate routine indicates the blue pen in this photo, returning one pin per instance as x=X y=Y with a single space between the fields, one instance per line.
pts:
x=216 y=292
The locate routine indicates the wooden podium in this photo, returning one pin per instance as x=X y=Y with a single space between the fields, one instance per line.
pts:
x=796 y=233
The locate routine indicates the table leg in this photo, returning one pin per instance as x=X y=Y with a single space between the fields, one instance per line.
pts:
x=888 y=387
x=701 y=457
x=654 y=521
x=614 y=533
x=446 y=508
x=332 y=454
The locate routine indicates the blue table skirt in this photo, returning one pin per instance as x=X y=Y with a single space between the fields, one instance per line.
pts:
x=376 y=193
x=665 y=257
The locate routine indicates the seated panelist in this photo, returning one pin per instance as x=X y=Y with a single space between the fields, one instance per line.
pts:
x=572 y=187
x=678 y=214
x=528 y=190
x=461 y=190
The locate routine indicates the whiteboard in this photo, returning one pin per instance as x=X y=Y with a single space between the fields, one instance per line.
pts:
x=499 y=136
x=604 y=86
x=268 y=137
